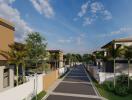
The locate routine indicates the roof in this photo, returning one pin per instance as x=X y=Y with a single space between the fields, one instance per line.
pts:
x=117 y=40
x=54 y=50
x=123 y=40
x=7 y=24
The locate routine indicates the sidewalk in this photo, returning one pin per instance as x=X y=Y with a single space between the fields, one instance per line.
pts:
x=75 y=86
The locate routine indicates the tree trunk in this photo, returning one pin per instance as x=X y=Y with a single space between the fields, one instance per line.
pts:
x=105 y=70
x=128 y=71
x=114 y=74
x=17 y=82
x=23 y=70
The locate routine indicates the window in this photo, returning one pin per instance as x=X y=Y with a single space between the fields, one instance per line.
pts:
x=6 y=78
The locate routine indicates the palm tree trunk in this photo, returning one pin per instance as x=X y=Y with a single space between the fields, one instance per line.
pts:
x=128 y=71
x=23 y=70
x=55 y=64
x=105 y=70
x=114 y=74
x=17 y=82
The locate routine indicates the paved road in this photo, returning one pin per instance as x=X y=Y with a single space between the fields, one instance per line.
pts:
x=75 y=86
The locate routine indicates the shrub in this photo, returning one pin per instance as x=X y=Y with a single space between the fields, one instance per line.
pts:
x=130 y=87
x=122 y=80
x=108 y=85
x=121 y=90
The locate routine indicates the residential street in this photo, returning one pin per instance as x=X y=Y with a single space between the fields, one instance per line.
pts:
x=75 y=86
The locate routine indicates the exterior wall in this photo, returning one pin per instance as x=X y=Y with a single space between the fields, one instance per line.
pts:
x=124 y=43
x=60 y=59
x=49 y=79
x=11 y=78
x=28 y=90
x=25 y=91
x=123 y=68
x=61 y=64
x=6 y=36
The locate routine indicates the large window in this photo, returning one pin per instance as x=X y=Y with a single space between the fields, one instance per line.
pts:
x=6 y=78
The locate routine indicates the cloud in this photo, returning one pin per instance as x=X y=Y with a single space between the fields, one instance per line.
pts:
x=43 y=7
x=92 y=11
x=87 y=21
x=80 y=39
x=107 y=15
x=83 y=9
x=63 y=41
x=13 y=15
x=96 y=6
x=7 y=1
x=123 y=30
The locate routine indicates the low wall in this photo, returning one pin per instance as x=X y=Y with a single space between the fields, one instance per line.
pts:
x=62 y=70
x=36 y=84
x=25 y=91
x=106 y=76
x=93 y=71
x=49 y=79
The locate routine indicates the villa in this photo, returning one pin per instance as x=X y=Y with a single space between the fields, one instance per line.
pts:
x=6 y=71
x=56 y=56
x=102 y=69
x=121 y=63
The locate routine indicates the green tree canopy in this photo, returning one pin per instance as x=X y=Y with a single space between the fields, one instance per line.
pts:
x=36 y=47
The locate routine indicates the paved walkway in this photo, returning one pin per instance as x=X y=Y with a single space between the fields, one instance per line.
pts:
x=75 y=86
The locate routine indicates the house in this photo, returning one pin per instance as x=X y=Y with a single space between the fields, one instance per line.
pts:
x=121 y=66
x=56 y=58
x=103 y=68
x=6 y=71
x=121 y=62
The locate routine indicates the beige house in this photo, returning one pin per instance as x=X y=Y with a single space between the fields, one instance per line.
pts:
x=56 y=56
x=6 y=71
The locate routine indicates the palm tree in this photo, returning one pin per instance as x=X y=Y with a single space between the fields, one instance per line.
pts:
x=128 y=55
x=16 y=56
x=54 y=57
x=57 y=59
x=114 y=53
x=69 y=58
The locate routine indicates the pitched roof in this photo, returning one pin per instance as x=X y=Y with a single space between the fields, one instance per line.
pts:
x=117 y=40
x=7 y=24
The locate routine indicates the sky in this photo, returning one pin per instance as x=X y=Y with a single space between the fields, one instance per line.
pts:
x=77 y=26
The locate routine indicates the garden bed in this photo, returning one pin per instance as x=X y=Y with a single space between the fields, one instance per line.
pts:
x=110 y=95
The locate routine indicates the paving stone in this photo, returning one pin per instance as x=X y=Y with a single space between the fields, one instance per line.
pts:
x=76 y=79
x=75 y=88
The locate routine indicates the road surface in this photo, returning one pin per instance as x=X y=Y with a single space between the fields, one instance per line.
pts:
x=75 y=86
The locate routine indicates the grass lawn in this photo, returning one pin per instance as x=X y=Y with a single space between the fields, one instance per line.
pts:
x=40 y=95
x=110 y=95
